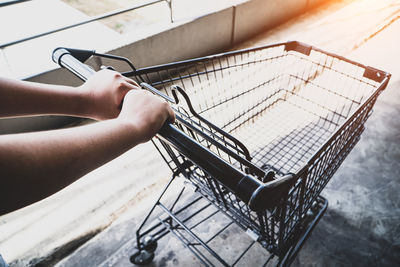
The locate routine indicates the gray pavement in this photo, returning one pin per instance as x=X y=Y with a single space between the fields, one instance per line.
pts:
x=361 y=226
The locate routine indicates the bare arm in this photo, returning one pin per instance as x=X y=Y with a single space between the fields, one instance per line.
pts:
x=36 y=165
x=98 y=98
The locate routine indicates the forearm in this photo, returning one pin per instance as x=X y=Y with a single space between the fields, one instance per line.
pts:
x=35 y=165
x=99 y=98
x=21 y=98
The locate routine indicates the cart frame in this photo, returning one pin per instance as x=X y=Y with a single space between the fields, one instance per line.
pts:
x=277 y=206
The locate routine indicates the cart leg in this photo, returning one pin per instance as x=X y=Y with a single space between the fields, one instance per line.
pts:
x=147 y=246
x=318 y=210
x=146 y=241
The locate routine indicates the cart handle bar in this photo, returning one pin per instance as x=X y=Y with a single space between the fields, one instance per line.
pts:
x=258 y=195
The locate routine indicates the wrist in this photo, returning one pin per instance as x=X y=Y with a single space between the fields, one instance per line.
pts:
x=138 y=131
x=85 y=103
x=131 y=130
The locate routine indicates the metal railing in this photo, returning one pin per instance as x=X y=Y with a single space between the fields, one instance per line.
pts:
x=91 y=19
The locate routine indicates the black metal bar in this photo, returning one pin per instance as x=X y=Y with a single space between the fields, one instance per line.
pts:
x=189 y=245
x=258 y=195
x=220 y=231
x=177 y=199
x=348 y=121
x=160 y=233
x=282 y=227
x=194 y=235
x=247 y=50
x=288 y=259
x=201 y=59
x=221 y=194
x=206 y=134
x=11 y=2
x=124 y=59
x=195 y=213
x=243 y=222
x=163 y=156
x=103 y=16
x=261 y=215
x=303 y=176
x=213 y=126
x=205 y=219
x=151 y=211
x=371 y=73
x=269 y=258
x=244 y=252
x=157 y=225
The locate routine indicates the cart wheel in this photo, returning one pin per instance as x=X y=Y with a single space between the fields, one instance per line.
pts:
x=142 y=257
x=149 y=243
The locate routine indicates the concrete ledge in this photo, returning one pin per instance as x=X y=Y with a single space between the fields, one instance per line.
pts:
x=255 y=16
x=198 y=37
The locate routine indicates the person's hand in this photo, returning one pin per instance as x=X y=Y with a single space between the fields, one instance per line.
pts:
x=103 y=94
x=146 y=113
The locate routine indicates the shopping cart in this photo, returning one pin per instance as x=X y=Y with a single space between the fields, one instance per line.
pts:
x=259 y=133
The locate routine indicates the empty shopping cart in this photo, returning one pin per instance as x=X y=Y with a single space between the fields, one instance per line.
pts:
x=259 y=133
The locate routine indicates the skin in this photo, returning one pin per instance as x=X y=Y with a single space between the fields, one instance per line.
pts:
x=98 y=98
x=36 y=165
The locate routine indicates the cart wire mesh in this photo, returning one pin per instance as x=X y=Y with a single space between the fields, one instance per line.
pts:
x=269 y=111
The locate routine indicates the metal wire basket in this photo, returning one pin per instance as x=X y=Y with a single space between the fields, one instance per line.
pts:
x=284 y=115
x=296 y=110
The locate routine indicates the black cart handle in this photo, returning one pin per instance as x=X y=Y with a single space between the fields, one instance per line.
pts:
x=256 y=194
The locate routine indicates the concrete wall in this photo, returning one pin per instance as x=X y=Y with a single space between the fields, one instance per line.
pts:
x=201 y=36
x=208 y=34
x=211 y=33
x=258 y=15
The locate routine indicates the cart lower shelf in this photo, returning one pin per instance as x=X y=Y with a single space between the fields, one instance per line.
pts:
x=212 y=236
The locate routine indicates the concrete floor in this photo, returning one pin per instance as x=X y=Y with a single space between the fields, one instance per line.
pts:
x=361 y=226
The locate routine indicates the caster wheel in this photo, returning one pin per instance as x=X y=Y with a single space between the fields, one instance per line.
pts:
x=149 y=243
x=142 y=257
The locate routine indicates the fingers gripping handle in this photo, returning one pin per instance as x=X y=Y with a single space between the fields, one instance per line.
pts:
x=65 y=59
x=218 y=168
x=252 y=191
